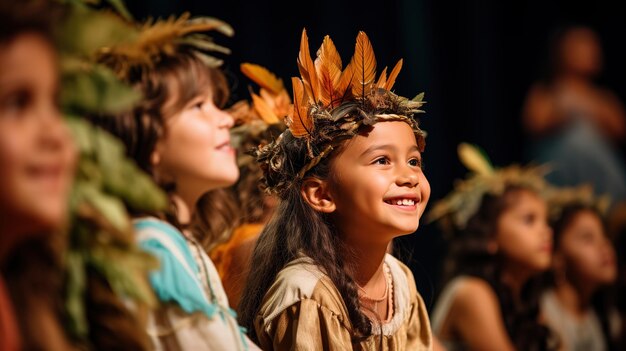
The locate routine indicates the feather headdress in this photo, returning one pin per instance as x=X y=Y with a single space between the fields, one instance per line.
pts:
x=464 y=201
x=257 y=123
x=332 y=103
x=158 y=39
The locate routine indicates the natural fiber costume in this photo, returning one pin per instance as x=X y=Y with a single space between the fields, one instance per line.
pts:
x=303 y=309
x=194 y=313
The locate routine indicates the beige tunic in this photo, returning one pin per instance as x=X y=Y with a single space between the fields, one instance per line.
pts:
x=304 y=311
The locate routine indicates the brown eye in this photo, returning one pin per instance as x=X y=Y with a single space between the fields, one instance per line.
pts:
x=382 y=161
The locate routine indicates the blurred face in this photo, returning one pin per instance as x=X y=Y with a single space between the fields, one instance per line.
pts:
x=195 y=152
x=378 y=186
x=523 y=235
x=36 y=153
x=581 y=53
x=587 y=254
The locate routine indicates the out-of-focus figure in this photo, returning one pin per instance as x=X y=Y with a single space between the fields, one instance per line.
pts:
x=37 y=160
x=577 y=306
x=574 y=124
x=500 y=244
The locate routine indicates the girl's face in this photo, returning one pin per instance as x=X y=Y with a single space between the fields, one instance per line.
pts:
x=585 y=252
x=36 y=153
x=523 y=235
x=195 y=152
x=377 y=184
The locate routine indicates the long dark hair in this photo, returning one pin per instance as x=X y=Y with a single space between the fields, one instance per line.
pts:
x=603 y=300
x=469 y=255
x=297 y=228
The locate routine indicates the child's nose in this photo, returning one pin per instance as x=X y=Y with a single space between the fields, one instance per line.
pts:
x=225 y=120
x=407 y=179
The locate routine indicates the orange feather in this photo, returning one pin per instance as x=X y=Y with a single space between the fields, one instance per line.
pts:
x=307 y=69
x=342 y=91
x=262 y=77
x=328 y=68
x=392 y=76
x=364 y=66
x=382 y=80
x=264 y=110
x=300 y=122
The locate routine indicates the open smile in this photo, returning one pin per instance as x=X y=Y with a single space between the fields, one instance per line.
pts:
x=405 y=202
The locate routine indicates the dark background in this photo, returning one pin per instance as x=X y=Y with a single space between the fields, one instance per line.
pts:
x=475 y=60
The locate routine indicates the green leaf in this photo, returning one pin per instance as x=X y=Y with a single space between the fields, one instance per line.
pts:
x=419 y=97
x=75 y=288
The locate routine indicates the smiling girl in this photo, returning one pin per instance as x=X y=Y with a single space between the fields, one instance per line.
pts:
x=180 y=135
x=37 y=160
x=349 y=178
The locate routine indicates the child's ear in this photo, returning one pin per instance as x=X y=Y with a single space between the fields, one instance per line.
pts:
x=316 y=193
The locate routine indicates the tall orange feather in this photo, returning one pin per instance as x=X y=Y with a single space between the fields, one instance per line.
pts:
x=364 y=66
x=307 y=69
x=328 y=68
x=300 y=123
x=392 y=76
x=382 y=80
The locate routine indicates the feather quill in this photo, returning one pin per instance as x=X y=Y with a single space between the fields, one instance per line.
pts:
x=300 y=122
x=392 y=76
x=364 y=66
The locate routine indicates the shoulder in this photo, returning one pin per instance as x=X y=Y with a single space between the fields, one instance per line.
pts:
x=301 y=280
x=472 y=289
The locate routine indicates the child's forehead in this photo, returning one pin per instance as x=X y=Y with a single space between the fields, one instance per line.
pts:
x=391 y=132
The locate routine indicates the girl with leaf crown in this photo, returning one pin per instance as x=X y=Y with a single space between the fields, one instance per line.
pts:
x=500 y=241
x=180 y=135
x=577 y=304
x=348 y=176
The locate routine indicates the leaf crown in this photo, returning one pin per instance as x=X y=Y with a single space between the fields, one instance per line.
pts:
x=162 y=38
x=455 y=210
x=332 y=104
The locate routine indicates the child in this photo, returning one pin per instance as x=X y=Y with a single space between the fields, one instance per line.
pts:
x=255 y=125
x=501 y=240
x=576 y=306
x=37 y=161
x=180 y=135
x=348 y=176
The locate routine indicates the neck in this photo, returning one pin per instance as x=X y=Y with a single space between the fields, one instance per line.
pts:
x=515 y=278
x=366 y=261
x=184 y=209
x=575 y=299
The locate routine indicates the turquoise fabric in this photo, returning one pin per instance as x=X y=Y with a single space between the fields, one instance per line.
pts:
x=176 y=280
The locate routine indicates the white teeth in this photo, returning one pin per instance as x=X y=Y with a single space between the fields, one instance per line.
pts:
x=402 y=202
